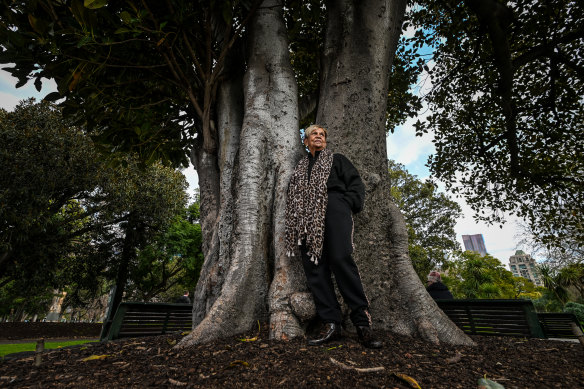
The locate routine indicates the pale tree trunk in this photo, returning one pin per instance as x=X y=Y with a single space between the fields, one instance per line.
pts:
x=254 y=165
x=360 y=43
x=246 y=275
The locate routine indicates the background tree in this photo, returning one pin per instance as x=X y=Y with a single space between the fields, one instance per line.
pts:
x=144 y=201
x=507 y=113
x=562 y=253
x=430 y=216
x=565 y=283
x=19 y=298
x=71 y=221
x=48 y=168
x=471 y=275
x=171 y=264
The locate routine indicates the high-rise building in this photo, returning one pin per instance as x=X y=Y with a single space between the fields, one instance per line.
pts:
x=522 y=265
x=474 y=243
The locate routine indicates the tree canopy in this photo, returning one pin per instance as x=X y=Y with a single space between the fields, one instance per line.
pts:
x=506 y=108
x=506 y=76
x=140 y=76
x=48 y=169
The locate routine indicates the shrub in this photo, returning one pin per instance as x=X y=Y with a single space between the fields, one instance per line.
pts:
x=576 y=309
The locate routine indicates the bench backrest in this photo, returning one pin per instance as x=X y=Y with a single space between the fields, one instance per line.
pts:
x=558 y=325
x=494 y=317
x=134 y=319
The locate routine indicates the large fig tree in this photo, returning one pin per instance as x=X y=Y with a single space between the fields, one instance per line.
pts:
x=215 y=79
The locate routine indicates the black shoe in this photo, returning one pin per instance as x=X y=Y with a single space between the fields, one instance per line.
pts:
x=366 y=337
x=330 y=331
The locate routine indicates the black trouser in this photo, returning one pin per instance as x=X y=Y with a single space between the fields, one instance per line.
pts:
x=336 y=259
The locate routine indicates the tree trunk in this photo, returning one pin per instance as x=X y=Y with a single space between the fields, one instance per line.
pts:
x=246 y=275
x=361 y=40
x=254 y=163
x=132 y=233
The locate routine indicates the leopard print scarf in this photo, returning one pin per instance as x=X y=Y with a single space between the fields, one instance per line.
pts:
x=306 y=206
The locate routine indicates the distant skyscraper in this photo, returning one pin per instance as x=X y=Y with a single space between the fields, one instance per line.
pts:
x=474 y=243
x=522 y=265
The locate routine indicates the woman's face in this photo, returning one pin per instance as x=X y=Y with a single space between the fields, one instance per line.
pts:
x=316 y=141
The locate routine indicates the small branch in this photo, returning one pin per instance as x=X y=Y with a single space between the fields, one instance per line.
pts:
x=357 y=369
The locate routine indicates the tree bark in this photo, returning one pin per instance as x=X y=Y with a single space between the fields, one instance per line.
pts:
x=247 y=212
x=246 y=275
x=361 y=40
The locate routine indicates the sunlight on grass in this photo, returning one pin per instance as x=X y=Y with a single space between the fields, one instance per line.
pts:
x=6 y=349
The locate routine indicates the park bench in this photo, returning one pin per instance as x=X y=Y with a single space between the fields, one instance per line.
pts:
x=494 y=317
x=560 y=325
x=510 y=318
x=135 y=319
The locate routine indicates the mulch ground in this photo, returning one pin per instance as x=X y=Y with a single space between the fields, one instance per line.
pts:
x=233 y=363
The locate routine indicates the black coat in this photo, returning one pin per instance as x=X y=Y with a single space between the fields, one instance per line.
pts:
x=345 y=179
x=440 y=291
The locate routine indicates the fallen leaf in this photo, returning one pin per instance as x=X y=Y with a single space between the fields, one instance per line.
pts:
x=406 y=378
x=171 y=342
x=254 y=338
x=239 y=362
x=485 y=383
x=249 y=339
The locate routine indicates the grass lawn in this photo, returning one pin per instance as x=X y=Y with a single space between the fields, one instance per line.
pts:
x=19 y=347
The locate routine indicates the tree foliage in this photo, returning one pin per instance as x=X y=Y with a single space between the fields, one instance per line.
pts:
x=48 y=169
x=142 y=76
x=471 y=275
x=563 y=253
x=564 y=284
x=69 y=219
x=170 y=264
x=507 y=112
x=430 y=215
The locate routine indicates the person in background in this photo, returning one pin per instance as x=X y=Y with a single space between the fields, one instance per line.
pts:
x=435 y=287
x=184 y=299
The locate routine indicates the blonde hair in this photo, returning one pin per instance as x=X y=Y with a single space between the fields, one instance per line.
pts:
x=313 y=127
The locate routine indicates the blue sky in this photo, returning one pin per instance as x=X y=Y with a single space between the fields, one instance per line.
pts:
x=403 y=146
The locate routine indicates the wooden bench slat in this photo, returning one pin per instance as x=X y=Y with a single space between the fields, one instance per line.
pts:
x=133 y=319
x=493 y=317
x=558 y=325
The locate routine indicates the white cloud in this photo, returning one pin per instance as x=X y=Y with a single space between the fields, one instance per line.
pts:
x=403 y=146
x=8 y=101
x=193 y=180
x=10 y=96
x=500 y=241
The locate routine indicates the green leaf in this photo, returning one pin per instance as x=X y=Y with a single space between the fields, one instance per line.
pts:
x=126 y=17
x=94 y=4
x=122 y=30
